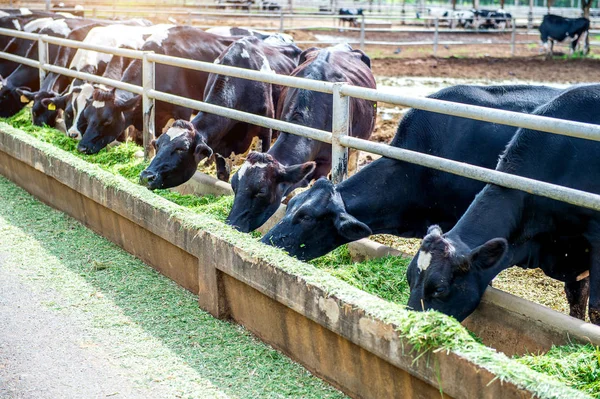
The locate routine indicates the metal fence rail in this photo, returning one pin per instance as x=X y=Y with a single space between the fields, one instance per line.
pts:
x=339 y=138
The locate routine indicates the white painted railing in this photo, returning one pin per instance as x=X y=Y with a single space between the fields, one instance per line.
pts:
x=339 y=138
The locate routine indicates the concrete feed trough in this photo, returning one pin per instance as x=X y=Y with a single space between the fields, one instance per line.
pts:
x=361 y=344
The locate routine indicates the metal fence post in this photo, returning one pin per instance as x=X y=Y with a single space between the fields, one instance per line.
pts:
x=148 y=103
x=436 y=36
x=362 y=32
x=513 y=37
x=339 y=127
x=42 y=57
x=281 y=21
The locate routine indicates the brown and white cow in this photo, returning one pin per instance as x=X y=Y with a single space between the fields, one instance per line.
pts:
x=210 y=133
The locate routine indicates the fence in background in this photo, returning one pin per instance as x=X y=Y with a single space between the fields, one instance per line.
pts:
x=338 y=137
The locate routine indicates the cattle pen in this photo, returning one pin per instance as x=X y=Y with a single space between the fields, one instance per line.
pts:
x=251 y=284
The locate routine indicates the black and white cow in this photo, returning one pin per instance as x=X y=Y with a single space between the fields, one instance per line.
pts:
x=505 y=227
x=293 y=161
x=110 y=113
x=352 y=14
x=179 y=151
x=54 y=83
x=557 y=28
x=79 y=94
x=26 y=77
x=394 y=197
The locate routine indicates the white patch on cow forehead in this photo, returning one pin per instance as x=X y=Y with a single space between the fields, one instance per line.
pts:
x=341 y=47
x=16 y=24
x=245 y=54
x=98 y=104
x=248 y=165
x=424 y=260
x=175 y=132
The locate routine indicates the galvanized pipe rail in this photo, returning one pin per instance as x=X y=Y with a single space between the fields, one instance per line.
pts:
x=341 y=117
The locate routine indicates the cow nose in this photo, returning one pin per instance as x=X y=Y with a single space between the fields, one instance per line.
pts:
x=73 y=135
x=83 y=149
x=147 y=178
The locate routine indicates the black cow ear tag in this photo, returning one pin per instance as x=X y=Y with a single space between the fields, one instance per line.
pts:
x=24 y=99
x=52 y=107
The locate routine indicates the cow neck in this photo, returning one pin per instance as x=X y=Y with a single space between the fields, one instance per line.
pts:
x=290 y=149
x=496 y=212
x=381 y=212
x=210 y=127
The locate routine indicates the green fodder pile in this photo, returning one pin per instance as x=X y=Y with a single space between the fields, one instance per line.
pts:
x=384 y=277
x=577 y=366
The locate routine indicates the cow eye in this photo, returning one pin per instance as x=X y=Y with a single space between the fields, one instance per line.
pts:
x=107 y=122
x=261 y=194
x=440 y=291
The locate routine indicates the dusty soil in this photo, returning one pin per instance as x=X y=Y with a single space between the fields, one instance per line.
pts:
x=525 y=68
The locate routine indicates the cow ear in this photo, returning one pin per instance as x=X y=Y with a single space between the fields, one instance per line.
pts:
x=201 y=152
x=363 y=57
x=350 y=227
x=489 y=254
x=302 y=58
x=128 y=105
x=26 y=95
x=296 y=173
x=56 y=102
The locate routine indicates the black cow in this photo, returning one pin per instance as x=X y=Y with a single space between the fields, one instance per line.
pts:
x=352 y=13
x=504 y=227
x=26 y=77
x=54 y=83
x=210 y=133
x=293 y=161
x=394 y=197
x=557 y=28
x=114 y=111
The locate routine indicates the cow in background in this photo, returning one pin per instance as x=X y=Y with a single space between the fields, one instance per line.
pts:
x=350 y=16
x=557 y=28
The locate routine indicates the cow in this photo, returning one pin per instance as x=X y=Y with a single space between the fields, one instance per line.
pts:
x=75 y=100
x=235 y=31
x=557 y=28
x=112 y=112
x=504 y=227
x=210 y=133
x=54 y=83
x=26 y=77
x=266 y=178
x=444 y=14
x=403 y=199
x=270 y=6
x=351 y=14
x=462 y=18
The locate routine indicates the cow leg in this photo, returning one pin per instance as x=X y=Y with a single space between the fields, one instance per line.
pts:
x=353 y=161
x=577 y=293
x=223 y=169
x=265 y=135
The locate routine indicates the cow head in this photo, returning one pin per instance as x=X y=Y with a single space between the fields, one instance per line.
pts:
x=315 y=223
x=40 y=114
x=105 y=117
x=259 y=186
x=11 y=102
x=178 y=153
x=70 y=106
x=449 y=277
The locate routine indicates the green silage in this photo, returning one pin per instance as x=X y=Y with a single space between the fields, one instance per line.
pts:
x=577 y=366
x=384 y=277
x=424 y=331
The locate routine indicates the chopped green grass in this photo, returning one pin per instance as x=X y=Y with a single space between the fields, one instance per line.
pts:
x=384 y=277
x=424 y=331
x=575 y=365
